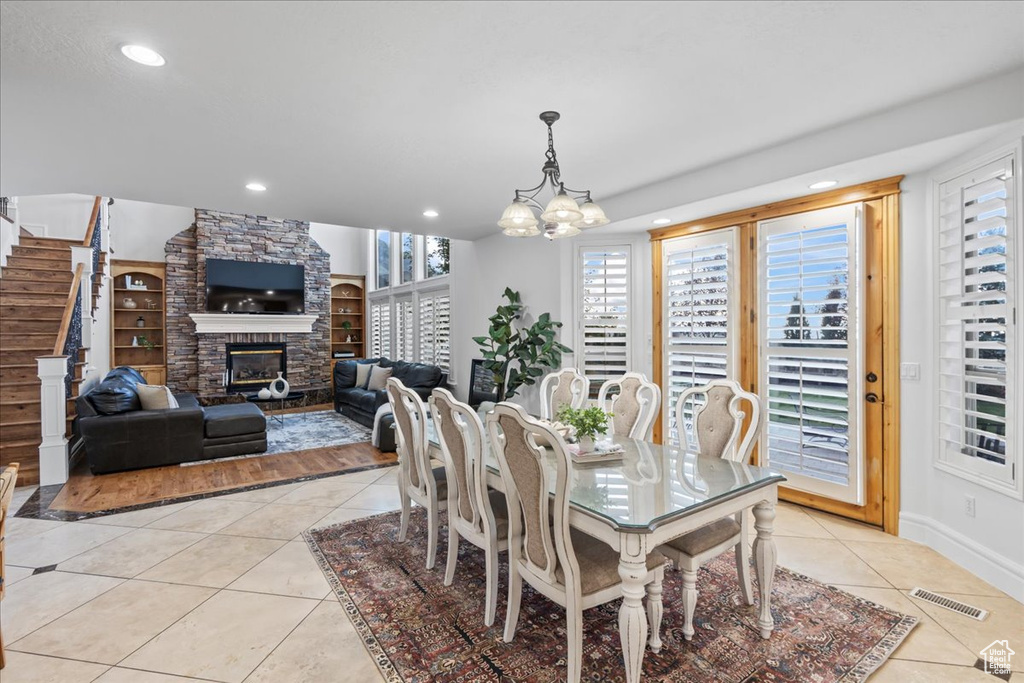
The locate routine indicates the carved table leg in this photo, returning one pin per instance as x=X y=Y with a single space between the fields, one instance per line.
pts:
x=655 y=609
x=632 y=619
x=764 y=562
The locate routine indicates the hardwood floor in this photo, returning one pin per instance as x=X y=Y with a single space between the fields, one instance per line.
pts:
x=85 y=492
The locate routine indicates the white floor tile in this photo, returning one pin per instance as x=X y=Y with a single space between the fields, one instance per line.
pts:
x=36 y=601
x=289 y=571
x=215 y=561
x=130 y=555
x=60 y=544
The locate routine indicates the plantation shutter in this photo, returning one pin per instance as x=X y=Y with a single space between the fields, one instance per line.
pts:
x=435 y=330
x=700 y=317
x=604 y=343
x=977 y=281
x=810 y=363
x=380 y=329
x=405 y=327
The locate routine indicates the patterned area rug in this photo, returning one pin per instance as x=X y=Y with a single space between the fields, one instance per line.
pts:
x=417 y=629
x=305 y=431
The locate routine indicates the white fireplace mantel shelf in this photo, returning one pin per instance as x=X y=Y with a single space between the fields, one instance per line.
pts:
x=252 y=323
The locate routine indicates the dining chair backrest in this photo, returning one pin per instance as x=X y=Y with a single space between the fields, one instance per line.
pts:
x=634 y=408
x=411 y=424
x=461 y=433
x=543 y=546
x=567 y=386
x=717 y=421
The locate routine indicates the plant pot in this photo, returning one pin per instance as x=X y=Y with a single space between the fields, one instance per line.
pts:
x=586 y=444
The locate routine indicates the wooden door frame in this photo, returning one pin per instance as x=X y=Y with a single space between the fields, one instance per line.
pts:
x=882 y=198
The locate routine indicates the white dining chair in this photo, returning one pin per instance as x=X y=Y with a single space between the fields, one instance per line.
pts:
x=475 y=513
x=634 y=408
x=716 y=425
x=418 y=481
x=567 y=386
x=565 y=565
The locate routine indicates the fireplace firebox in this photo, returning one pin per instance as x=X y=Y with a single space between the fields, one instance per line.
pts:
x=251 y=367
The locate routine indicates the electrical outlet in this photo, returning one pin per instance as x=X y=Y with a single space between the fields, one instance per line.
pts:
x=969 y=506
x=910 y=371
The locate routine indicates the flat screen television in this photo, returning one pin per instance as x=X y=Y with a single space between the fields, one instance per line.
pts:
x=246 y=287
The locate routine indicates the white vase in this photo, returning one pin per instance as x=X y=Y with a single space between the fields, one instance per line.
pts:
x=264 y=394
x=586 y=444
x=279 y=387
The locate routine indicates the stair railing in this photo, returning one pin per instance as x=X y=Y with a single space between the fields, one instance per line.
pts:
x=57 y=371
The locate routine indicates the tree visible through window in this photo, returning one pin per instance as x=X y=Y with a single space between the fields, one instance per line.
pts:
x=437 y=256
x=383 y=259
x=408 y=240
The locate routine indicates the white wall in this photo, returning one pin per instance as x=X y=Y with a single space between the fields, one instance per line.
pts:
x=347 y=246
x=56 y=215
x=932 y=509
x=139 y=230
x=481 y=270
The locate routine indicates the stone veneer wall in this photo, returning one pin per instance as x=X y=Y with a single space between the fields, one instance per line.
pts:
x=196 y=362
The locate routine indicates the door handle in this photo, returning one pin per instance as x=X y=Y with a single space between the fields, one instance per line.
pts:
x=871 y=398
x=872 y=377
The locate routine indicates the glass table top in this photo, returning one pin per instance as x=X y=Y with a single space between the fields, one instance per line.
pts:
x=648 y=483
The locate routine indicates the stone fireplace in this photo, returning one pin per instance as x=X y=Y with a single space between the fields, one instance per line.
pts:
x=251 y=367
x=196 y=361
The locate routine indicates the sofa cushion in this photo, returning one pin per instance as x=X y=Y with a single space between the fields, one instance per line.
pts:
x=114 y=396
x=187 y=400
x=127 y=372
x=417 y=375
x=363 y=371
x=234 y=419
x=378 y=378
x=367 y=401
x=156 y=397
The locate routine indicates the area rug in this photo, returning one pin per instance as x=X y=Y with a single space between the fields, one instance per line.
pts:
x=418 y=630
x=305 y=431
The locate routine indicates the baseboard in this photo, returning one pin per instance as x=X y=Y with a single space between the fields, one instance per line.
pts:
x=987 y=564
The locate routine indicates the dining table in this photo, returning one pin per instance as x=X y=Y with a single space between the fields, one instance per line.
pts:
x=647 y=495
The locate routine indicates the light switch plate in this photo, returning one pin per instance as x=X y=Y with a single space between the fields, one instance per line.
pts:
x=910 y=371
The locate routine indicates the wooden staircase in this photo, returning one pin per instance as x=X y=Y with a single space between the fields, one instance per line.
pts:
x=34 y=288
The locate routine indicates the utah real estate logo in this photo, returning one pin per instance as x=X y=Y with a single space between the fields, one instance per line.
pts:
x=997 y=657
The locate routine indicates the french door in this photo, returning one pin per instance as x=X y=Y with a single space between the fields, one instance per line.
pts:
x=791 y=307
x=811 y=350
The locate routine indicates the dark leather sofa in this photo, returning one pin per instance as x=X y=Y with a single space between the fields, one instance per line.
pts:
x=118 y=434
x=361 y=404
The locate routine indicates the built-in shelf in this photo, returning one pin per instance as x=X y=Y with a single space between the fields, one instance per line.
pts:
x=133 y=327
x=138 y=291
x=140 y=346
x=347 y=298
x=347 y=288
x=346 y=328
x=149 y=361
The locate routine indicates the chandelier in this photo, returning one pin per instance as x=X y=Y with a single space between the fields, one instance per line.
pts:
x=568 y=212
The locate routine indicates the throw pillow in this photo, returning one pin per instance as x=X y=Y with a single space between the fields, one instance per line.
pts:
x=156 y=397
x=378 y=378
x=115 y=395
x=363 y=373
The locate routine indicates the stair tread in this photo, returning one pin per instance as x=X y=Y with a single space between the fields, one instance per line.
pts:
x=26 y=442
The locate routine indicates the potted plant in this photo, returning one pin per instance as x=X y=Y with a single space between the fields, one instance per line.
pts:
x=144 y=341
x=517 y=356
x=587 y=423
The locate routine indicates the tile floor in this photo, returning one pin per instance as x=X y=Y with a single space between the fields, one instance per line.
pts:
x=224 y=589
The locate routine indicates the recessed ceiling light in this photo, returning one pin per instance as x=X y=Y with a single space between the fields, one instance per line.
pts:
x=821 y=185
x=662 y=221
x=430 y=213
x=256 y=187
x=143 y=55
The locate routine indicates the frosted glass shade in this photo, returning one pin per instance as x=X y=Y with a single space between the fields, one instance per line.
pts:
x=563 y=230
x=593 y=216
x=518 y=216
x=522 y=231
x=561 y=209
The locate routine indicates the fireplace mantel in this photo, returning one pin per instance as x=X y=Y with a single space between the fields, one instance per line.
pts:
x=252 y=323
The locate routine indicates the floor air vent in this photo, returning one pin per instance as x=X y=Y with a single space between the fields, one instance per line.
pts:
x=949 y=603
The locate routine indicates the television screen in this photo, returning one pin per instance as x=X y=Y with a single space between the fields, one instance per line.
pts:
x=246 y=287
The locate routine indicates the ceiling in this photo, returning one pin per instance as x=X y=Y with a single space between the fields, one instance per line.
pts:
x=366 y=114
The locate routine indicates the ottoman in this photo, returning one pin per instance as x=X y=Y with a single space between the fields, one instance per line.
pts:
x=233 y=429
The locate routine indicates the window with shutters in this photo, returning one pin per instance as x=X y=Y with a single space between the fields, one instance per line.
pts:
x=405 y=328
x=435 y=329
x=978 y=257
x=700 y=315
x=810 y=351
x=380 y=328
x=603 y=328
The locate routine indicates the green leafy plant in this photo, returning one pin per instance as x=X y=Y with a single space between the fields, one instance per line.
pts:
x=144 y=341
x=517 y=356
x=346 y=325
x=588 y=422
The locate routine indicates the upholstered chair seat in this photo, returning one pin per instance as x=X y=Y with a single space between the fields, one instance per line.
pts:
x=706 y=537
x=599 y=564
